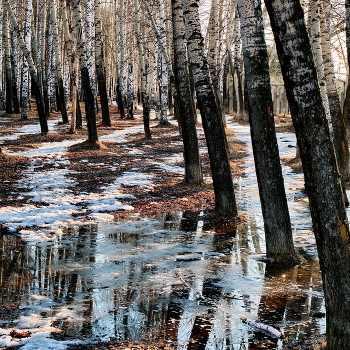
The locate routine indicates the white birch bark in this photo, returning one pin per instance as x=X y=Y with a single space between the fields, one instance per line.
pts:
x=25 y=68
x=162 y=70
x=338 y=126
x=315 y=40
x=2 y=102
x=7 y=61
x=27 y=53
x=89 y=40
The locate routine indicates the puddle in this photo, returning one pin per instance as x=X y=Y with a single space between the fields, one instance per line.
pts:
x=171 y=279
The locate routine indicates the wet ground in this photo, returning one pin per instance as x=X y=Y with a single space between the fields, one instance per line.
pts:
x=171 y=279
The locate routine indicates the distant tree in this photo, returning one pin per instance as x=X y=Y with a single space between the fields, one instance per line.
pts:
x=322 y=178
x=278 y=231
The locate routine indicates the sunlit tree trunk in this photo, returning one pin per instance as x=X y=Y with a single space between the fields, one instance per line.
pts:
x=130 y=91
x=89 y=27
x=120 y=57
x=2 y=102
x=7 y=60
x=144 y=72
x=15 y=74
x=225 y=202
x=338 y=126
x=35 y=81
x=25 y=69
x=100 y=66
x=59 y=79
x=41 y=52
x=322 y=178
x=346 y=108
x=85 y=77
x=184 y=105
x=213 y=52
x=162 y=67
x=278 y=231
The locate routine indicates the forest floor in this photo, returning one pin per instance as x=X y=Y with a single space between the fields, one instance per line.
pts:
x=169 y=192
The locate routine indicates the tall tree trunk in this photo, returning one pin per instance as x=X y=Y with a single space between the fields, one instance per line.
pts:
x=100 y=67
x=89 y=97
x=14 y=66
x=278 y=231
x=25 y=69
x=322 y=178
x=186 y=110
x=33 y=73
x=59 y=79
x=225 y=202
x=144 y=72
x=346 y=108
x=162 y=69
x=338 y=126
x=7 y=59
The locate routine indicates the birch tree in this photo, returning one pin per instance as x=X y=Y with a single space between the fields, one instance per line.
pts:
x=7 y=59
x=278 y=231
x=100 y=66
x=33 y=73
x=162 y=65
x=85 y=76
x=322 y=178
x=184 y=102
x=58 y=71
x=338 y=126
x=225 y=202
x=144 y=72
x=25 y=68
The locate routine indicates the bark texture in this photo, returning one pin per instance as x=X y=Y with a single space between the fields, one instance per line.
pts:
x=322 y=178
x=225 y=202
x=186 y=110
x=278 y=231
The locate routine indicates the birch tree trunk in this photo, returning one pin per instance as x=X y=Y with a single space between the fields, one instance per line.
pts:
x=100 y=67
x=162 y=69
x=35 y=81
x=346 y=108
x=278 y=231
x=2 y=102
x=59 y=79
x=225 y=202
x=338 y=126
x=15 y=74
x=144 y=72
x=130 y=91
x=322 y=178
x=25 y=69
x=7 y=60
x=85 y=77
x=184 y=102
x=120 y=57
x=213 y=53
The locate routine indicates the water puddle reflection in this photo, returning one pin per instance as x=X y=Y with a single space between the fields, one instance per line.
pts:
x=172 y=280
